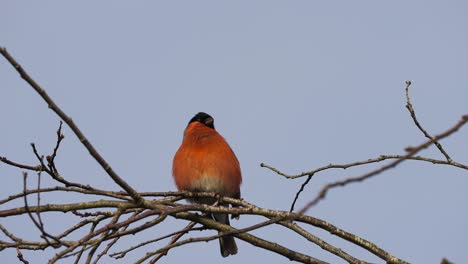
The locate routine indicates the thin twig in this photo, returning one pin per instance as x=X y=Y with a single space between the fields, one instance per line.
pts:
x=21 y=166
x=410 y=108
x=121 y=254
x=38 y=213
x=10 y=235
x=79 y=253
x=321 y=243
x=67 y=189
x=173 y=240
x=112 y=243
x=300 y=191
x=81 y=224
x=114 y=220
x=60 y=137
x=20 y=256
x=44 y=235
x=51 y=159
x=39 y=158
x=362 y=162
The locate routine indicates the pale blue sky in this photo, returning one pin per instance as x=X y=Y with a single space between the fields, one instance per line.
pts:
x=295 y=84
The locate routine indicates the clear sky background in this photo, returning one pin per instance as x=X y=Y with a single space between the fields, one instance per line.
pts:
x=295 y=84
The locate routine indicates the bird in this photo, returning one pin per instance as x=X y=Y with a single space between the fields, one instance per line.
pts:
x=205 y=162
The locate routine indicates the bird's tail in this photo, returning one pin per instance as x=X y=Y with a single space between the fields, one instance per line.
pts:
x=227 y=244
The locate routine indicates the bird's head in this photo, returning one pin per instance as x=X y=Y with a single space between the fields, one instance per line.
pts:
x=204 y=119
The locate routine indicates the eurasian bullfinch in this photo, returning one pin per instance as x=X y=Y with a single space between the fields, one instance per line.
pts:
x=205 y=162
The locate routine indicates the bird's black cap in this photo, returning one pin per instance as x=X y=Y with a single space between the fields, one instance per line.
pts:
x=203 y=118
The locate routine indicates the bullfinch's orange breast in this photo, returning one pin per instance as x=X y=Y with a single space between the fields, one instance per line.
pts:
x=205 y=162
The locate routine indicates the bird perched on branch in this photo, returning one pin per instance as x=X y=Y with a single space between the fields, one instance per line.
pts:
x=206 y=163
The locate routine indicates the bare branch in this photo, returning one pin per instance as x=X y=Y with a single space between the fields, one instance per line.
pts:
x=83 y=223
x=20 y=256
x=92 y=151
x=311 y=173
x=112 y=243
x=174 y=240
x=38 y=214
x=121 y=254
x=104 y=235
x=10 y=235
x=21 y=166
x=410 y=108
x=411 y=152
x=173 y=243
x=326 y=246
x=83 y=241
x=67 y=207
x=60 y=137
x=363 y=162
x=299 y=192
x=39 y=224
x=254 y=240
x=180 y=211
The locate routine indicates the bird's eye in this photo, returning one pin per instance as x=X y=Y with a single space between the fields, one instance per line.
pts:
x=209 y=122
